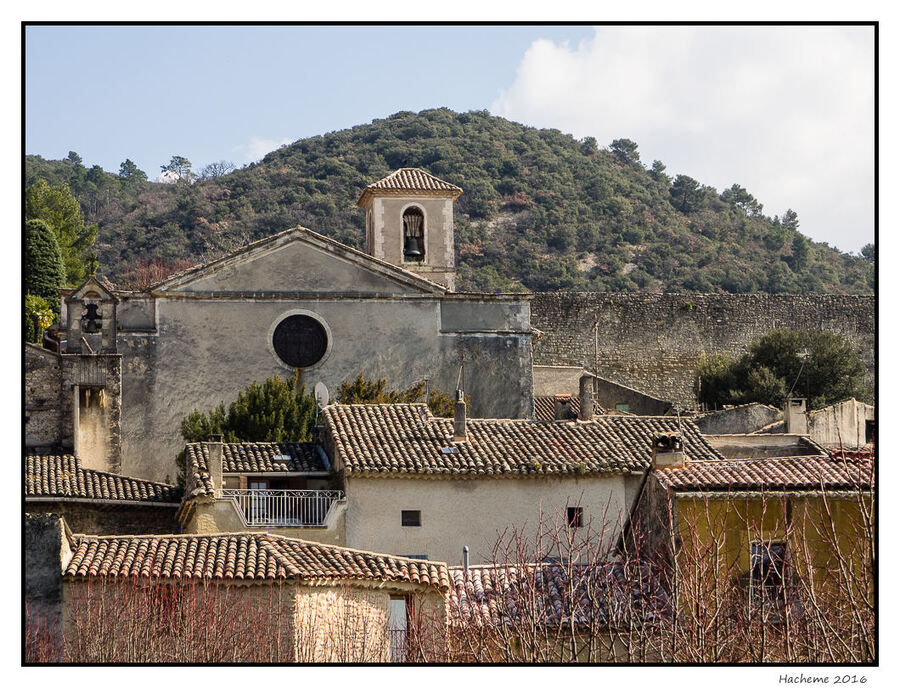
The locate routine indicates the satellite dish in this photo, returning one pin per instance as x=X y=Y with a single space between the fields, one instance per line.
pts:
x=321 y=392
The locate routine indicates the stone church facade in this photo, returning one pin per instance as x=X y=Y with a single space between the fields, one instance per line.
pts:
x=299 y=300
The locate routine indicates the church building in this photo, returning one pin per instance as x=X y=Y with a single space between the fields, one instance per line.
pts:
x=296 y=300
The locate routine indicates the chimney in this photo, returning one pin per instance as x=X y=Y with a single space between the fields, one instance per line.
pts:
x=459 y=418
x=668 y=450
x=214 y=457
x=562 y=407
x=586 y=397
x=795 y=422
x=466 y=558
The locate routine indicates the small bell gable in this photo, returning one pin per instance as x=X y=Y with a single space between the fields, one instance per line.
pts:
x=91 y=318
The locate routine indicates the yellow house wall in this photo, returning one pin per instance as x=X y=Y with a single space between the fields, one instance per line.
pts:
x=719 y=533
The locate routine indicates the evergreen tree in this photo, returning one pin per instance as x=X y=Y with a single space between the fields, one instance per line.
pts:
x=868 y=252
x=275 y=411
x=686 y=194
x=365 y=391
x=131 y=174
x=60 y=210
x=799 y=259
x=782 y=363
x=625 y=151
x=44 y=272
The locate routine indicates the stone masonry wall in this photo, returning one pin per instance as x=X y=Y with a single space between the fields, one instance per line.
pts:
x=45 y=406
x=653 y=342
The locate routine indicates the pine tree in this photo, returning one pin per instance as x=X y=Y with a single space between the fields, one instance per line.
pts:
x=44 y=272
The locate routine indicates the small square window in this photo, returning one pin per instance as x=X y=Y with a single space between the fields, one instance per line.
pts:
x=411 y=518
x=870 y=431
x=574 y=515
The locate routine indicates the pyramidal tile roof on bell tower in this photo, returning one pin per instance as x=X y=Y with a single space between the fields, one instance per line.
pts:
x=410 y=179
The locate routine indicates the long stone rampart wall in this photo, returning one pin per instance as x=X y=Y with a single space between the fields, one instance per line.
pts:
x=653 y=342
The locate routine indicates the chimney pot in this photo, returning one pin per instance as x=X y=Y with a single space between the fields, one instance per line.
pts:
x=668 y=450
x=562 y=407
x=215 y=452
x=586 y=397
x=466 y=558
x=459 y=418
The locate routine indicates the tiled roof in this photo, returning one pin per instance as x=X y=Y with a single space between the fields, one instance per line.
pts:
x=788 y=473
x=61 y=475
x=545 y=406
x=252 y=457
x=412 y=179
x=852 y=454
x=378 y=439
x=610 y=594
x=240 y=556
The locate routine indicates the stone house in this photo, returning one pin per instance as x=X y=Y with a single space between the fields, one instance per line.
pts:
x=768 y=531
x=95 y=501
x=282 y=487
x=229 y=597
x=423 y=486
x=294 y=301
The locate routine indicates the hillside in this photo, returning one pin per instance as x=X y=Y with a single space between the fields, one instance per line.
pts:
x=540 y=211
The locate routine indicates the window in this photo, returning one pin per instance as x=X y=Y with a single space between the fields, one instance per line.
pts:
x=768 y=567
x=411 y=518
x=300 y=341
x=413 y=235
x=423 y=557
x=574 y=516
x=870 y=431
x=397 y=624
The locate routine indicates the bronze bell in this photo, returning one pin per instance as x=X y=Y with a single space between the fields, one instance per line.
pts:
x=91 y=319
x=412 y=250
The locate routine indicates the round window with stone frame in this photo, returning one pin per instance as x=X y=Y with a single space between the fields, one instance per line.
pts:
x=300 y=341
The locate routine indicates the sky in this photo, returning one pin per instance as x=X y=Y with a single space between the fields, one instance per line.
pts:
x=786 y=112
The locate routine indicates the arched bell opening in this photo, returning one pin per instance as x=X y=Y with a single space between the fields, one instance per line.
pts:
x=91 y=315
x=413 y=235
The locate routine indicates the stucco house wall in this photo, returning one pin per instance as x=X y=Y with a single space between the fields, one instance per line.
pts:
x=205 y=515
x=473 y=512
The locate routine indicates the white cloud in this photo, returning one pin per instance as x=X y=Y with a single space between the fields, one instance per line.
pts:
x=257 y=147
x=786 y=112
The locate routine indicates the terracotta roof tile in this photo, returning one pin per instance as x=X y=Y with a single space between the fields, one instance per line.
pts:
x=787 y=473
x=241 y=556
x=412 y=179
x=380 y=439
x=609 y=594
x=61 y=475
x=545 y=405
x=252 y=457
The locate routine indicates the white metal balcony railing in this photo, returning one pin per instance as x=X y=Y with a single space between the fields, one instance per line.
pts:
x=300 y=508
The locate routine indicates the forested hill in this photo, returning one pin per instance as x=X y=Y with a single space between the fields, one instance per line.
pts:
x=540 y=211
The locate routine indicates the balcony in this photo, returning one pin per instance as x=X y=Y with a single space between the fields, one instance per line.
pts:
x=286 y=508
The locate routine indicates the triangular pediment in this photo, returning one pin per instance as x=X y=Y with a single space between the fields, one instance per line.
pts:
x=297 y=261
x=92 y=285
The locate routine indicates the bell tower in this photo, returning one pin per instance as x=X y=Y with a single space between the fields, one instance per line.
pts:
x=409 y=222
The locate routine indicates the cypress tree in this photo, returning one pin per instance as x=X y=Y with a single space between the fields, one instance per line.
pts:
x=44 y=271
